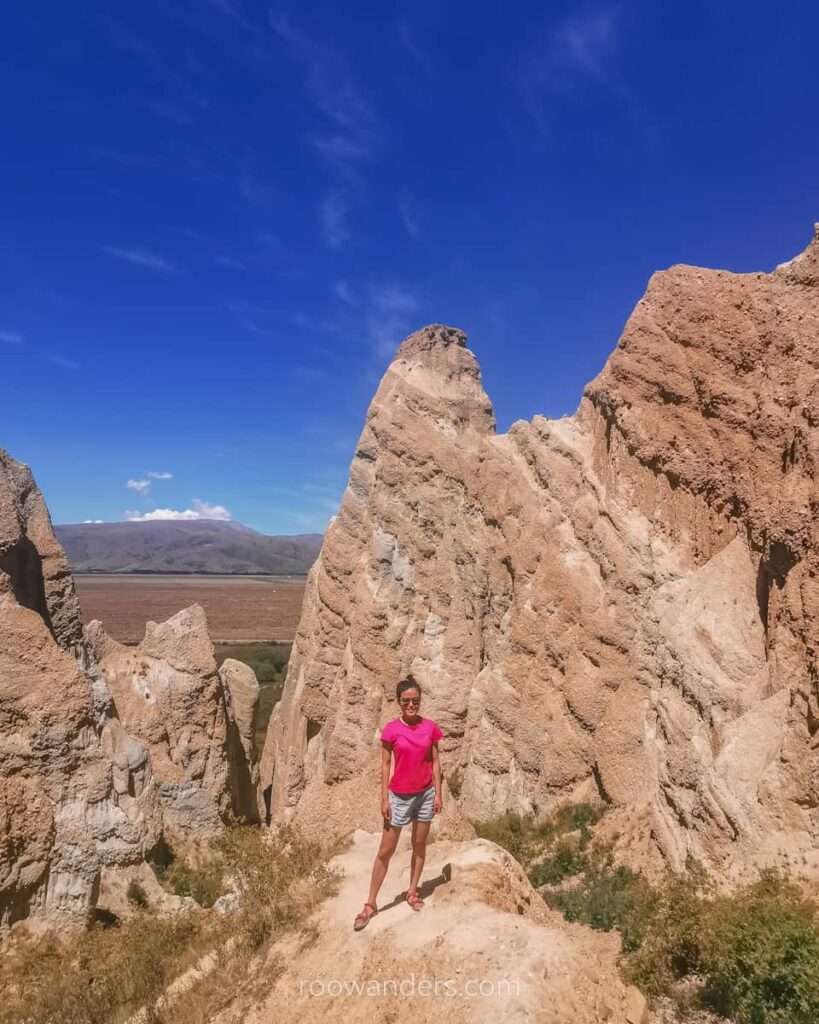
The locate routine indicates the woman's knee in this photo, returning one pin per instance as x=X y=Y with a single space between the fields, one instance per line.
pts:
x=419 y=845
x=387 y=847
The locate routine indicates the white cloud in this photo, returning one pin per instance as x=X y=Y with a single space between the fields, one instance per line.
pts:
x=140 y=258
x=11 y=337
x=333 y=213
x=160 y=476
x=93 y=520
x=200 y=510
x=140 y=486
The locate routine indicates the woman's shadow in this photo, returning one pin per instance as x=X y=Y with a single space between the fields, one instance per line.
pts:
x=424 y=889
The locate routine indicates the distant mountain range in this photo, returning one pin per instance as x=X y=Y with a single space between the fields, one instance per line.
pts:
x=185 y=546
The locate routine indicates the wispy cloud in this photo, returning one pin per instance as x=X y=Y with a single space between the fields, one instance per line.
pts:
x=170 y=110
x=250 y=325
x=141 y=258
x=140 y=486
x=579 y=51
x=232 y=10
x=306 y=322
x=413 y=49
x=199 y=510
x=159 y=476
x=119 y=156
x=586 y=42
x=342 y=290
x=12 y=337
x=357 y=129
x=62 y=361
x=354 y=133
x=254 y=190
x=229 y=262
x=389 y=317
x=409 y=218
x=333 y=217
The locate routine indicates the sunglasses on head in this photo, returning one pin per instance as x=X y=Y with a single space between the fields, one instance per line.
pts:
x=410 y=700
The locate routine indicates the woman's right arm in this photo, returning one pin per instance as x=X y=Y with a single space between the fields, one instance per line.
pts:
x=386 y=754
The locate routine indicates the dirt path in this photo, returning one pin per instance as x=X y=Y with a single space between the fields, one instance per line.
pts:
x=484 y=948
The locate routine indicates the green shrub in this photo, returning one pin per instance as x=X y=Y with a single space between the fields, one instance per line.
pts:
x=671 y=944
x=511 y=831
x=754 y=954
x=203 y=884
x=526 y=838
x=136 y=895
x=566 y=862
x=760 y=955
x=572 y=817
x=608 y=897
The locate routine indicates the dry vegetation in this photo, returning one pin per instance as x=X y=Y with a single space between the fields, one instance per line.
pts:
x=106 y=975
x=751 y=956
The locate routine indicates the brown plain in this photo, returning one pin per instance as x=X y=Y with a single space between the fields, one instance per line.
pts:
x=238 y=610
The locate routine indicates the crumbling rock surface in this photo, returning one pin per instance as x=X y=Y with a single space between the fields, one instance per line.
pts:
x=103 y=749
x=35 y=565
x=170 y=696
x=618 y=605
x=62 y=813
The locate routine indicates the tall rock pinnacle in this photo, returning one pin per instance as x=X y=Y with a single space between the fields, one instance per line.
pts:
x=618 y=605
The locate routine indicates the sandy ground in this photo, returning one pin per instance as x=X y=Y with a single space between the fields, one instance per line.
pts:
x=239 y=609
x=484 y=948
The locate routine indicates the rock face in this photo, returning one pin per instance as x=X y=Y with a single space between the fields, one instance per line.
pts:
x=618 y=604
x=62 y=814
x=192 y=720
x=31 y=557
x=103 y=750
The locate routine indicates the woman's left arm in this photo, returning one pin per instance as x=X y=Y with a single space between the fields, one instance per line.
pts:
x=436 y=778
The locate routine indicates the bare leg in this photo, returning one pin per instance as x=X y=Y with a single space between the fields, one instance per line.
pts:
x=389 y=840
x=420 y=831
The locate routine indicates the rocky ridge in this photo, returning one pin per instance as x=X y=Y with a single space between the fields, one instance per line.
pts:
x=103 y=750
x=617 y=605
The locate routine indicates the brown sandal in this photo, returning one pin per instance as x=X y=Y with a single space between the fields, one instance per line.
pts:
x=363 y=917
x=414 y=900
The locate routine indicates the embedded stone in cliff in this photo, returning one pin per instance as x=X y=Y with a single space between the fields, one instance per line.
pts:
x=241 y=690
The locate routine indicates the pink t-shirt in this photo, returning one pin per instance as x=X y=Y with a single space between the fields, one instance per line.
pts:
x=412 y=750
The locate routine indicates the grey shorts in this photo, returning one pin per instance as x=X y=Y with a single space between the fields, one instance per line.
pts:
x=407 y=807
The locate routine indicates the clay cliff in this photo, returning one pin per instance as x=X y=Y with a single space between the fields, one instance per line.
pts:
x=617 y=605
x=103 y=750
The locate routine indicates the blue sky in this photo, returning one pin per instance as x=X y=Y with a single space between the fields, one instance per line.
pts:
x=220 y=217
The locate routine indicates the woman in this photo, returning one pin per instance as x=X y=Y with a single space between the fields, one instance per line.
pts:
x=413 y=793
